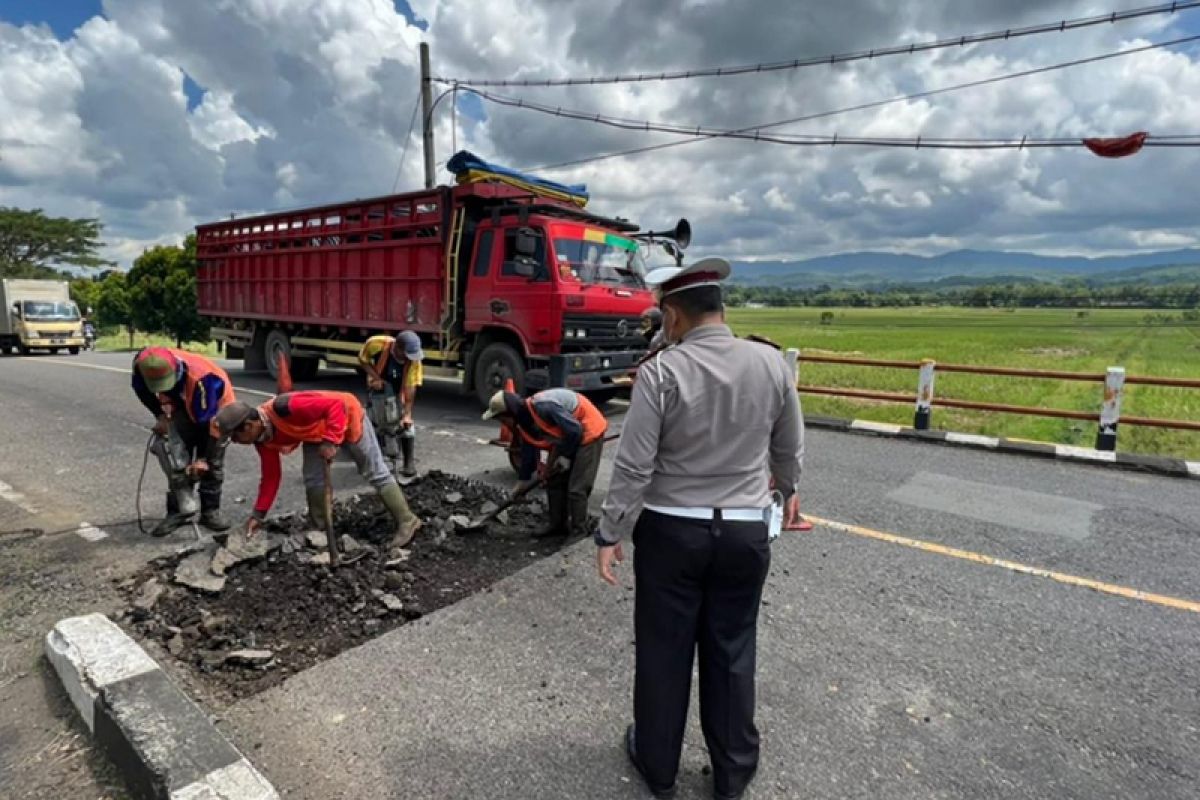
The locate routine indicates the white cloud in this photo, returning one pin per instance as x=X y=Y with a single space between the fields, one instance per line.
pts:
x=308 y=101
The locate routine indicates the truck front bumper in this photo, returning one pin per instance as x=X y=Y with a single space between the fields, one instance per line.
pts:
x=55 y=341
x=594 y=371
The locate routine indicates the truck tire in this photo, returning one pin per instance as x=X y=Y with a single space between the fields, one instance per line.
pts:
x=496 y=364
x=6 y=349
x=73 y=350
x=23 y=349
x=277 y=344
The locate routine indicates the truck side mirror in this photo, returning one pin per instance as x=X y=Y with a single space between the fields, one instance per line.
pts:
x=17 y=309
x=526 y=243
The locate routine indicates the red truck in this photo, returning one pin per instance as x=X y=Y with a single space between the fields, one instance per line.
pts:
x=498 y=282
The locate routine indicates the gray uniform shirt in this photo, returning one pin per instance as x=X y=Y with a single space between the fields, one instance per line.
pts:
x=710 y=421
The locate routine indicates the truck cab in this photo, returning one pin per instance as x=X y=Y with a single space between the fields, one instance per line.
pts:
x=39 y=315
x=558 y=292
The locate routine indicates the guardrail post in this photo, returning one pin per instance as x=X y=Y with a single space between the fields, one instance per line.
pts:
x=1110 y=409
x=793 y=359
x=924 y=395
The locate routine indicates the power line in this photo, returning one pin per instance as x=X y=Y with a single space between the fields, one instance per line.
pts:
x=407 y=138
x=701 y=133
x=861 y=55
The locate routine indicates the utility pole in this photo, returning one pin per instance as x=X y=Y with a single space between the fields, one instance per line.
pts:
x=426 y=115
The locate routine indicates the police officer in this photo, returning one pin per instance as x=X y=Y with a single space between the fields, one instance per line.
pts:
x=395 y=362
x=712 y=420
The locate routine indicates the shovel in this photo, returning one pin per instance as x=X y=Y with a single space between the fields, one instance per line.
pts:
x=479 y=523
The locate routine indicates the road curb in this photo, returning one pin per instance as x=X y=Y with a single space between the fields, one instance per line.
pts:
x=163 y=745
x=1159 y=465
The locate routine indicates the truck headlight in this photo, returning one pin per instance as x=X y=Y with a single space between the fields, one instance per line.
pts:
x=580 y=333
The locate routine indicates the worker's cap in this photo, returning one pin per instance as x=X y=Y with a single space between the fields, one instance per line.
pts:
x=705 y=272
x=502 y=403
x=158 y=367
x=232 y=417
x=410 y=344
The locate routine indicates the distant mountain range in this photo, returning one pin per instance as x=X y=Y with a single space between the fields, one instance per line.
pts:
x=967 y=267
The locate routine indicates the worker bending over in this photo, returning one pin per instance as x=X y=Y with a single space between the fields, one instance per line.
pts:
x=393 y=362
x=184 y=392
x=319 y=422
x=571 y=429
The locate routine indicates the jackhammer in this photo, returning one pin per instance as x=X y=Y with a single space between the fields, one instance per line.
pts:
x=385 y=411
x=182 y=505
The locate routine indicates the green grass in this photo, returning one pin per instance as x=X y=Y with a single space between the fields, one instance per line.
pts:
x=1034 y=338
x=119 y=343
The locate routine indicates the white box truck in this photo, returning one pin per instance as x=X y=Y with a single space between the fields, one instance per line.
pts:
x=38 y=315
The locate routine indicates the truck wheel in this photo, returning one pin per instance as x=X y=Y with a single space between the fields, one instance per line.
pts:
x=306 y=368
x=6 y=349
x=276 y=345
x=23 y=349
x=496 y=364
x=73 y=350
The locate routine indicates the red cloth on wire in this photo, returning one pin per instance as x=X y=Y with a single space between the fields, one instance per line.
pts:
x=1117 y=148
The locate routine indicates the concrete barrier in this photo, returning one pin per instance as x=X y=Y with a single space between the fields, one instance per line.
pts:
x=163 y=745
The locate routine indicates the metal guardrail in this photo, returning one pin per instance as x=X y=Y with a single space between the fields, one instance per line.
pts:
x=1114 y=380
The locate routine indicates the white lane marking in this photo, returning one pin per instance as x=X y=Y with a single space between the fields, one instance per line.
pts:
x=1084 y=453
x=90 y=532
x=878 y=427
x=973 y=438
x=10 y=494
x=123 y=371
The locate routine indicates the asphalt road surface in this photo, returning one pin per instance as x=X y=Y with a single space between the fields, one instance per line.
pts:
x=896 y=659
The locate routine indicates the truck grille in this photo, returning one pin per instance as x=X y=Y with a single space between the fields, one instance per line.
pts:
x=607 y=332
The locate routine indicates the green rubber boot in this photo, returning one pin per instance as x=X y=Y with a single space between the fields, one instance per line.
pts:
x=407 y=523
x=317 y=508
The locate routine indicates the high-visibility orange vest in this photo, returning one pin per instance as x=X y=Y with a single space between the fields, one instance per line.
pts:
x=197 y=368
x=315 y=431
x=593 y=422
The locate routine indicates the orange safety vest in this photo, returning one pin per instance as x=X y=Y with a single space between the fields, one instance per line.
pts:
x=315 y=432
x=593 y=422
x=199 y=367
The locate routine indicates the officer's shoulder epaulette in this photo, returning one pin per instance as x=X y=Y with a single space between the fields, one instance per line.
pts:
x=754 y=337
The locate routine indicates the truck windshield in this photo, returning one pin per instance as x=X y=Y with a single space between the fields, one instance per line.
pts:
x=613 y=262
x=48 y=311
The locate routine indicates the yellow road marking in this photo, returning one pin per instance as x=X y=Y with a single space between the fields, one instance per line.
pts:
x=1038 y=572
x=124 y=371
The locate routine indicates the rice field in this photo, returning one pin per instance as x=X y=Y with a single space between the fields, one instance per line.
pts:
x=1160 y=343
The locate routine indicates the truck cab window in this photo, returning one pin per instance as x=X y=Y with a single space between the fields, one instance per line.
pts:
x=514 y=257
x=483 y=254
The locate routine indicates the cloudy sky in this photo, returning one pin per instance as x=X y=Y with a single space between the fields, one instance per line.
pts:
x=154 y=115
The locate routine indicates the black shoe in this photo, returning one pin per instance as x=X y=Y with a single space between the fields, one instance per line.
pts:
x=739 y=793
x=214 y=520
x=550 y=533
x=631 y=751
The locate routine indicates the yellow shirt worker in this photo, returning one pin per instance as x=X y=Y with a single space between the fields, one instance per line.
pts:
x=396 y=362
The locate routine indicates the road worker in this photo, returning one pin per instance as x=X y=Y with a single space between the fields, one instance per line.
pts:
x=395 y=363
x=651 y=327
x=571 y=429
x=184 y=391
x=712 y=421
x=319 y=422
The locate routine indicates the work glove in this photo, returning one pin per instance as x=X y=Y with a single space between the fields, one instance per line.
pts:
x=197 y=468
x=161 y=425
x=562 y=464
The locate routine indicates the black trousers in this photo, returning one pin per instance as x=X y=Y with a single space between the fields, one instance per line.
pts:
x=698 y=586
